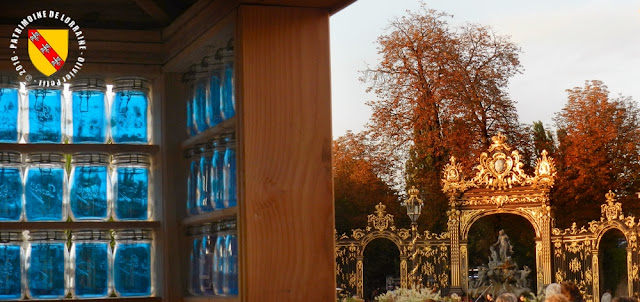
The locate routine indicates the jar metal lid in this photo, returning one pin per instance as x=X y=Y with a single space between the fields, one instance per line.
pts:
x=45 y=158
x=132 y=83
x=9 y=81
x=88 y=84
x=133 y=235
x=131 y=158
x=48 y=235
x=10 y=157
x=93 y=235
x=90 y=158
x=6 y=237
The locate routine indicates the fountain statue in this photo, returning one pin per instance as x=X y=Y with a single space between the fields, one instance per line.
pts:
x=501 y=274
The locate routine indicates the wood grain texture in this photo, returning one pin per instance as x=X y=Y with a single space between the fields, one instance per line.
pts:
x=286 y=240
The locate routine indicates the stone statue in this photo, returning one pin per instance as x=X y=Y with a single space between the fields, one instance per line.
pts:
x=524 y=273
x=504 y=246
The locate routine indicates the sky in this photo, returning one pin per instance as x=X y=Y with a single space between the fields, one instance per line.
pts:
x=563 y=42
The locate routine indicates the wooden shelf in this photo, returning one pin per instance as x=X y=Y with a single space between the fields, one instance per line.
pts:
x=114 y=299
x=211 y=216
x=73 y=148
x=227 y=126
x=211 y=299
x=79 y=225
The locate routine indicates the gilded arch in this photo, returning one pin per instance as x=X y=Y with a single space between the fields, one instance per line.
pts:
x=499 y=186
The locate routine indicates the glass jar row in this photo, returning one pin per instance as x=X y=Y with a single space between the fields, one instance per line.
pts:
x=97 y=187
x=212 y=97
x=80 y=264
x=45 y=116
x=211 y=183
x=213 y=263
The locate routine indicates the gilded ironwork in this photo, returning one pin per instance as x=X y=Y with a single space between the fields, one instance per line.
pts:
x=545 y=172
x=380 y=220
x=611 y=210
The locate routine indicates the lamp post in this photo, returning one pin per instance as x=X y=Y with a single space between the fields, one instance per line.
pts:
x=414 y=208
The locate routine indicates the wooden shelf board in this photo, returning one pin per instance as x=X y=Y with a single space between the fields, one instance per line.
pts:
x=114 y=299
x=227 y=126
x=211 y=216
x=79 y=225
x=211 y=299
x=73 y=148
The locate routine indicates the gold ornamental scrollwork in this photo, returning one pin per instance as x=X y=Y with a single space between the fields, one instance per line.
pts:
x=452 y=181
x=611 y=210
x=380 y=220
x=497 y=169
x=545 y=172
x=575 y=265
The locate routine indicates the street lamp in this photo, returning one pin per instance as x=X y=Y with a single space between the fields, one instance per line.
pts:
x=414 y=208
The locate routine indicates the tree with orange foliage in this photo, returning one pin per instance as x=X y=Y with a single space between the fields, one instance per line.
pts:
x=598 y=151
x=441 y=92
x=357 y=185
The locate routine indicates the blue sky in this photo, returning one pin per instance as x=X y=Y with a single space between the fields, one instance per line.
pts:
x=564 y=43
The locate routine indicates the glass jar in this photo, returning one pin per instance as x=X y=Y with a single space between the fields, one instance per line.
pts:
x=214 y=80
x=131 y=181
x=9 y=109
x=206 y=257
x=47 y=255
x=44 y=114
x=230 y=198
x=90 y=263
x=230 y=260
x=200 y=104
x=204 y=180
x=89 y=185
x=11 y=265
x=133 y=263
x=195 y=237
x=44 y=187
x=88 y=114
x=218 y=259
x=11 y=186
x=228 y=104
x=129 y=112
x=189 y=79
x=217 y=168
x=193 y=155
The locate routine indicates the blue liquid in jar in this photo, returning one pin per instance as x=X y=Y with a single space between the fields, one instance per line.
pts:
x=10 y=194
x=43 y=193
x=92 y=269
x=217 y=167
x=194 y=268
x=206 y=264
x=229 y=177
x=199 y=106
x=88 y=117
x=9 y=106
x=45 y=109
x=46 y=271
x=204 y=184
x=192 y=187
x=228 y=105
x=88 y=198
x=132 y=193
x=230 y=265
x=191 y=130
x=214 y=116
x=10 y=272
x=218 y=265
x=129 y=117
x=132 y=269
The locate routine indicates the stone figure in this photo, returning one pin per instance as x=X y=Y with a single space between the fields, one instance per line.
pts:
x=482 y=276
x=504 y=246
x=494 y=255
x=524 y=274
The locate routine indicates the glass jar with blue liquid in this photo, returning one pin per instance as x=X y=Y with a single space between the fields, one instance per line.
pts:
x=219 y=258
x=45 y=186
x=213 y=81
x=90 y=263
x=88 y=114
x=230 y=260
x=206 y=257
x=11 y=256
x=47 y=256
x=89 y=186
x=9 y=109
x=189 y=79
x=217 y=168
x=193 y=156
x=230 y=198
x=133 y=263
x=205 y=202
x=131 y=179
x=130 y=111
x=44 y=113
x=11 y=186
x=195 y=237
x=200 y=96
x=228 y=102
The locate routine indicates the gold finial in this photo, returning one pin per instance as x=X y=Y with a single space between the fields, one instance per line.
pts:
x=380 y=209
x=499 y=139
x=413 y=192
x=611 y=197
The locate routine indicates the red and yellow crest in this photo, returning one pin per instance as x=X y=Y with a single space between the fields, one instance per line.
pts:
x=48 y=49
